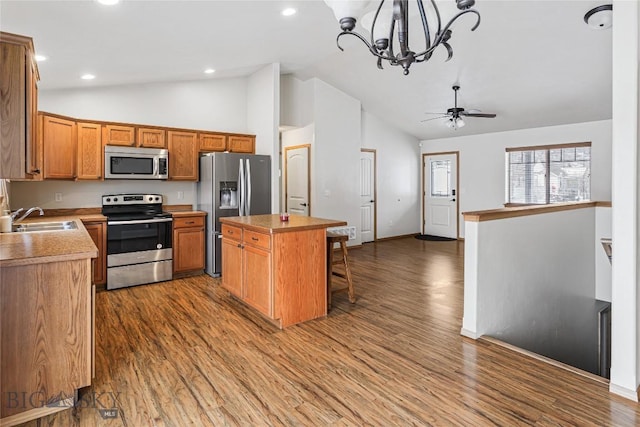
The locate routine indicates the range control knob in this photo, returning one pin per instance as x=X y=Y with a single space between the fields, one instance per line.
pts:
x=108 y=199
x=150 y=199
x=157 y=199
x=115 y=199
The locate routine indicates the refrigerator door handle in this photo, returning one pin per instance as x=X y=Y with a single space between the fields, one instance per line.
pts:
x=248 y=184
x=241 y=184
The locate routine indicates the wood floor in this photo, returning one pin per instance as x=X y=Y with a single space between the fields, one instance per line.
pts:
x=185 y=353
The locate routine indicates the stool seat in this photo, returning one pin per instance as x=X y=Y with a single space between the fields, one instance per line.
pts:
x=332 y=239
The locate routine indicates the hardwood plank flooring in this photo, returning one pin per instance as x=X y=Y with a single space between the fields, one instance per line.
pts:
x=186 y=353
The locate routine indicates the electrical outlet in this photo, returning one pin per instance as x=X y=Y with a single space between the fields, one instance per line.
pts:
x=58 y=197
x=180 y=195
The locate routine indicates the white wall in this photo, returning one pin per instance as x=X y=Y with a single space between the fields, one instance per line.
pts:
x=263 y=118
x=296 y=102
x=625 y=299
x=516 y=265
x=336 y=168
x=216 y=104
x=398 y=176
x=482 y=160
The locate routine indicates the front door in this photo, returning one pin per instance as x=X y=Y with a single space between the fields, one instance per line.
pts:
x=367 y=195
x=440 y=172
x=297 y=184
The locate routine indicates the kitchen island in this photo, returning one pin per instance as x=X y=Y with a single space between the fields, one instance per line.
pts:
x=277 y=267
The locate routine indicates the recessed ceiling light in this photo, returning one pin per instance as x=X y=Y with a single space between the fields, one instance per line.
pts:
x=40 y=58
x=289 y=11
x=87 y=77
x=209 y=71
x=108 y=2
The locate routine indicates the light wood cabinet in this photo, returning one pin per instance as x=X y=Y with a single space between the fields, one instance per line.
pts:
x=246 y=267
x=59 y=146
x=119 y=135
x=212 y=141
x=98 y=233
x=151 y=138
x=90 y=154
x=183 y=155
x=188 y=244
x=241 y=144
x=46 y=347
x=18 y=108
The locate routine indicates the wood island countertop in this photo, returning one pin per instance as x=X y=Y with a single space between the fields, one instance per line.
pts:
x=47 y=246
x=271 y=223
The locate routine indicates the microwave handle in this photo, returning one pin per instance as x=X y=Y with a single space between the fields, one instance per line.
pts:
x=156 y=166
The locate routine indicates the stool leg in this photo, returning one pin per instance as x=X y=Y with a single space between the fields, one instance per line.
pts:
x=347 y=270
x=329 y=273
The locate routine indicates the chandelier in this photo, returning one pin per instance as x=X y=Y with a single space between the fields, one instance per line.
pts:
x=389 y=29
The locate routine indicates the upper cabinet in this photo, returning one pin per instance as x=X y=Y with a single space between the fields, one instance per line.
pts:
x=59 y=144
x=151 y=138
x=119 y=135
x=18 y=108
x=90 y=158
x=242 y=144
x=212 y=141
x=183 y=155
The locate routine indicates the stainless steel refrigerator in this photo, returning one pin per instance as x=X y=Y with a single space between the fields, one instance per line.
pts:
x=231 y=184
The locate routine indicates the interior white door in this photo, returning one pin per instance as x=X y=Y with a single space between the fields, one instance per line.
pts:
x=367 y=196
x=440 y=195
x=297 y=180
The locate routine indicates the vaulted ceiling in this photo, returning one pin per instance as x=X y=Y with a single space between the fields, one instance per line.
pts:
x=533 y=63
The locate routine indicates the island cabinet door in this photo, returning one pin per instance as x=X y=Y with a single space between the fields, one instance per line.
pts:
x=258 y=291
x=232 y=266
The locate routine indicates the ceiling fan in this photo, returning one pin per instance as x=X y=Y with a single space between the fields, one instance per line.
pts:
x=454 y=115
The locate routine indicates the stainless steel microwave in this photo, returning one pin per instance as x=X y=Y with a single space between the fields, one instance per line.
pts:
x=135 y=163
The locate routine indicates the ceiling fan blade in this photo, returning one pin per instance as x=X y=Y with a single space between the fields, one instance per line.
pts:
x=436 y=113
x=435 y=118
x=485 y=115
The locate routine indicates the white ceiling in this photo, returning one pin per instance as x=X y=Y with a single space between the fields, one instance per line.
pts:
x=534 y=63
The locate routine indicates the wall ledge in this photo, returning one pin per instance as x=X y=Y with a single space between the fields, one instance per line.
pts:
x=526 y=210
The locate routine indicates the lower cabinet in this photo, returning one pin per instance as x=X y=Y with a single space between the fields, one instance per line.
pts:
x=47 y=337
x=98 y=233
x=246 y=269
x=188 y=244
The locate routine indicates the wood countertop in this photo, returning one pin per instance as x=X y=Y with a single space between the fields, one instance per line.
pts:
x=179 y=214
x=47 y=246
x=272 y=224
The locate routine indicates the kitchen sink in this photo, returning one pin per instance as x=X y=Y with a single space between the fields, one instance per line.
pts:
x=44 y=226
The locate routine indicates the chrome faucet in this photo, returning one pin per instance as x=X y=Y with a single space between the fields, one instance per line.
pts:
x=26 y=214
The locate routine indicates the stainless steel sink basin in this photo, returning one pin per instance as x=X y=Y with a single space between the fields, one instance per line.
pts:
x=44 y=226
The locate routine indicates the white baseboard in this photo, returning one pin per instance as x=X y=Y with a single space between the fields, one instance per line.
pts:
x=624 y=392
x=470 y=334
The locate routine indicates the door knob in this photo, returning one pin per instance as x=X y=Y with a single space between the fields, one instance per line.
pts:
x=453 y=200
x=303 y=204
x=371 y=201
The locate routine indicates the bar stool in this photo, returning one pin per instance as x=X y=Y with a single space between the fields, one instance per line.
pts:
x=333 y=238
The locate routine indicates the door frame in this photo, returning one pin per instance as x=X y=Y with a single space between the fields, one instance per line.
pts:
x=424 y=191
x=375 y=189
x=286 y=172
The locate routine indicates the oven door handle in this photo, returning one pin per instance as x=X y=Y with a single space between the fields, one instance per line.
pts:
x=139 y=221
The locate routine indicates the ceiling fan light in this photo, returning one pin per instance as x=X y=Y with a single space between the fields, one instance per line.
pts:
x=460 y=123
x=450 y=123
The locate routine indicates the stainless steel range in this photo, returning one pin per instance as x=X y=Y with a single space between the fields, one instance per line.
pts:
x=139 y=247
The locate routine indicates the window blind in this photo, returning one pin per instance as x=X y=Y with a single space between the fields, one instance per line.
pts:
x=552 y=174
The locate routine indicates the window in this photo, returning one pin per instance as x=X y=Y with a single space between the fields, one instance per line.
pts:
x=549 y=174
